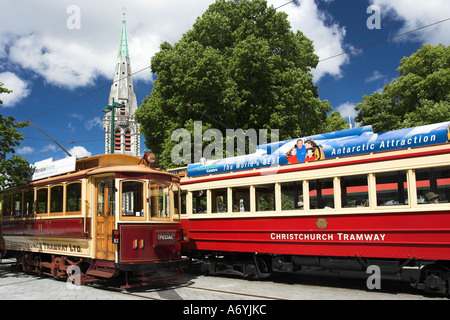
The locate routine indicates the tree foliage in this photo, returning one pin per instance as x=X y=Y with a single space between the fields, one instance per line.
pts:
x=240 y=66
x=14 y=170
x=419 y=96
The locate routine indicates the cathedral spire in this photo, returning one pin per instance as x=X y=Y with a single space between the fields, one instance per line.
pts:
x=123 y=47
x=126 y=129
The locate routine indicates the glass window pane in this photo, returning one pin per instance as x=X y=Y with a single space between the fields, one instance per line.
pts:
x=241 y=199
x=41 y=200
x=164 y=201
x=73 y=197
x=56 y=199
x=17 y=206
x=7 y=205
x=265 y=197
x=292 y=195
x=354 y=191
x=199 y=204
x=392 y=188
x=106 y=190
x=433 y=185
x=183 y=201
x=321 y=194
x=176 y=201
x=132 y=198
x=28 y=202
x=219 y=200
x=159 y=203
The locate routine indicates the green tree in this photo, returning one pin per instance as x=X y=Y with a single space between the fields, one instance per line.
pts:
x=14 y=170
x=240 y=66
x=419 y=96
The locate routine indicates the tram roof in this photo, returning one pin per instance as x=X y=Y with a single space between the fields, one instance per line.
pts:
x=102 y=164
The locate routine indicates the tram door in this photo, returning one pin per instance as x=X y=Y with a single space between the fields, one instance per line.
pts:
x=105 y=215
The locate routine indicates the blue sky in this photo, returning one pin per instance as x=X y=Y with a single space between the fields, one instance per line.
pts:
x=53 y=54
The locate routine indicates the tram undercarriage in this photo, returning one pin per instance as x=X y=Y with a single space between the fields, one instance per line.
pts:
x=433 y=277
x=80 y=271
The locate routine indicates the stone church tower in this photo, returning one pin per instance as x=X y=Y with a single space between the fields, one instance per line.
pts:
x=126 y=129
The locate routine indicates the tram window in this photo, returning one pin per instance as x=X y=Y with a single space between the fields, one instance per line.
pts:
x=41 y=200
x=432 y=182
x=132 y=198
x=28 y=202
x=159 y=200
x=392 y=188
x=176 y=201
x=17 y=205
x=265 y=197
x=241 y=199
x=219 y=200
x=73 y=197
x=183 y=201
x=7 y=205
x=321 y=194
x=292 y=195
x=354 y=191
x=199 y=201
x=106 y=190
x=56 y=199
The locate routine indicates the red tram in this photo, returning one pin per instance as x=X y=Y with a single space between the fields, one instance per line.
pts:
x=105 y=215
x=343 y=213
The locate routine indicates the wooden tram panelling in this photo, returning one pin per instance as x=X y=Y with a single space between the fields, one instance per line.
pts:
x=50 y=242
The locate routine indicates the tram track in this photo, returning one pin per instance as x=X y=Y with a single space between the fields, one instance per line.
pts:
x=239 y=293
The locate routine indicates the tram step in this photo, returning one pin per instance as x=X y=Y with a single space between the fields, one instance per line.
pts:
x=102 y=269
x=102 y=274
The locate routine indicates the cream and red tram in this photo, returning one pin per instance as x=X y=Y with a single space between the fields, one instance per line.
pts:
x=345 y=212
x=110 y=214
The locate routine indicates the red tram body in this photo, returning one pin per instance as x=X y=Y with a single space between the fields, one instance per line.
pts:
x=272 y=232
x=109 y=214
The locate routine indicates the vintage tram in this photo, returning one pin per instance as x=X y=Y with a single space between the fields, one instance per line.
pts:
x=105 y=214
x=371 y=200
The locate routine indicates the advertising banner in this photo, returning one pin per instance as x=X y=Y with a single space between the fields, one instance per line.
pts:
x=325 y=146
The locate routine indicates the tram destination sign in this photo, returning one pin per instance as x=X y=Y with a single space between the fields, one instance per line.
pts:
x=48 y=167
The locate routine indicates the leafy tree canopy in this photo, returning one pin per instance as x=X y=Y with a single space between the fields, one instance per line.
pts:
x=14 y=170
x=240 y=66
x=419 y=96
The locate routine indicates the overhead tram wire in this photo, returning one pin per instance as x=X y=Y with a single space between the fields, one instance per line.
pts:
x=380 y=41
x=321 y=60
x=85 y=94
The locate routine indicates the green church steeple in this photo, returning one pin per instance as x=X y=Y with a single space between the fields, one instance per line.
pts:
x=123 y=46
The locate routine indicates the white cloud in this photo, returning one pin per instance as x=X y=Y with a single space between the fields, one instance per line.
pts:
x=25 y=150
x=80 y=152
x=327 y=35
x=49 y=148
x=347 y=110
x=35 y=36
x=418 y=13
x=377 y=75
x=95 y=122
x=21 y=89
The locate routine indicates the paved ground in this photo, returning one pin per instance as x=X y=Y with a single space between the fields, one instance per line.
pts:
x=21 y=286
